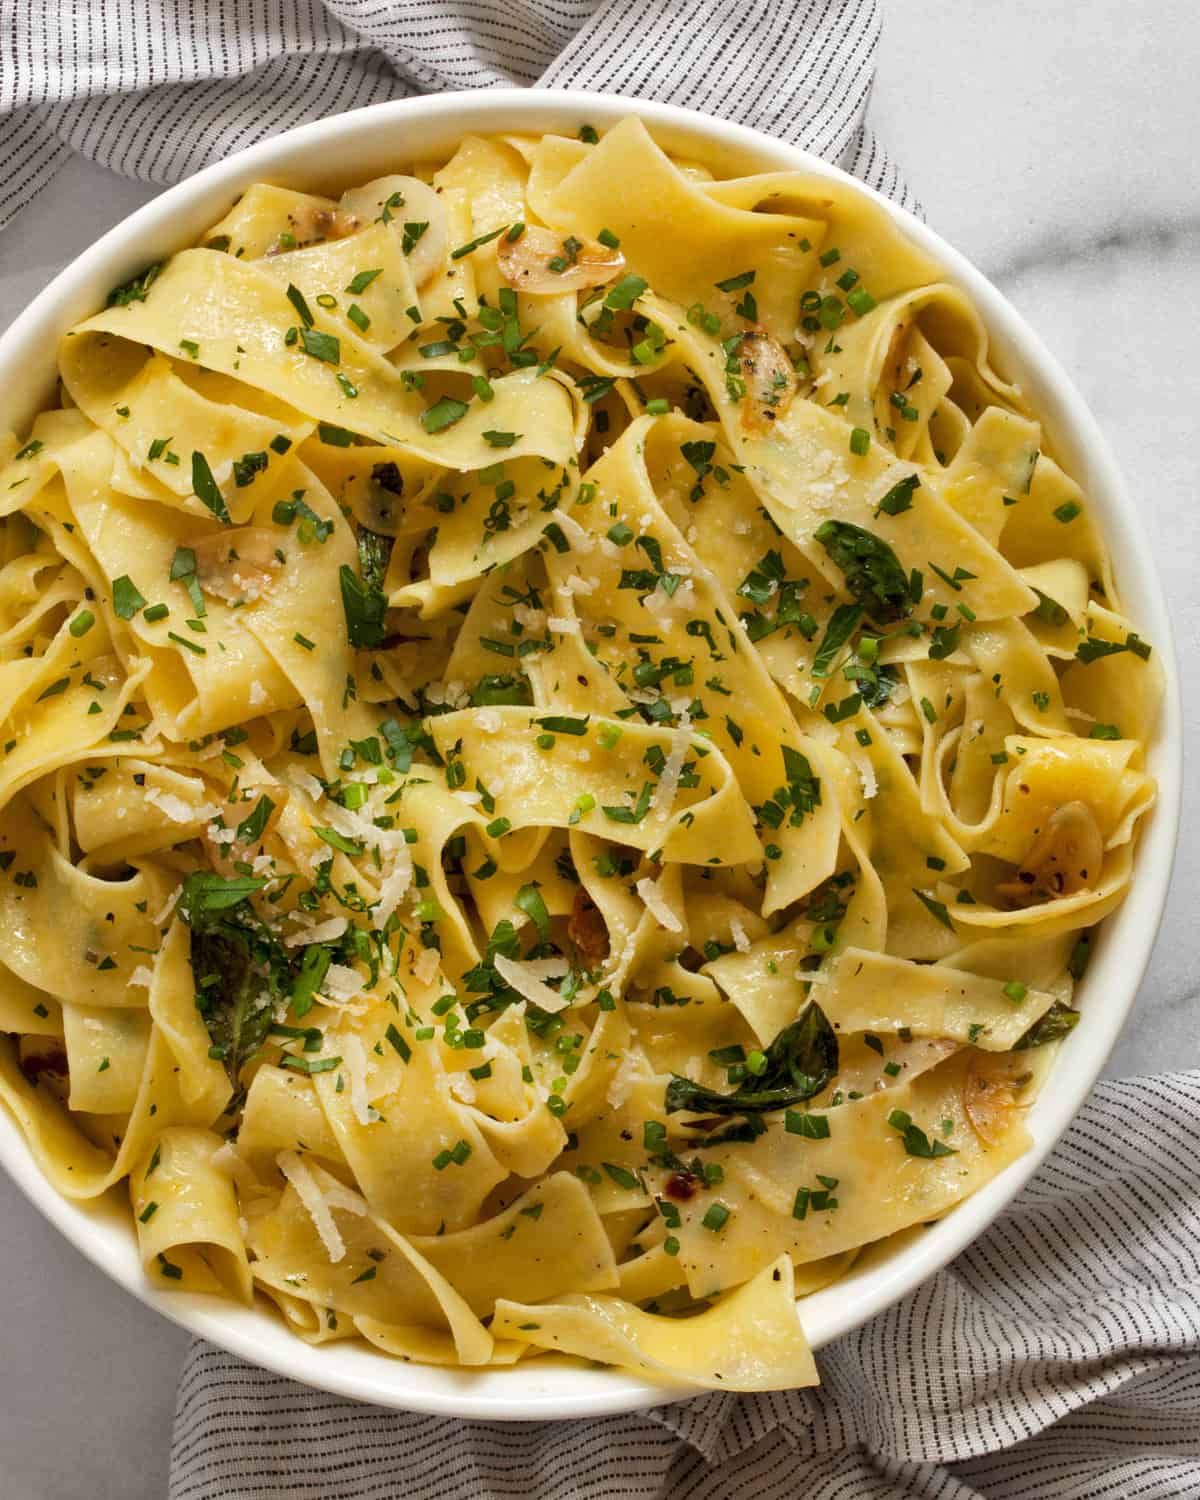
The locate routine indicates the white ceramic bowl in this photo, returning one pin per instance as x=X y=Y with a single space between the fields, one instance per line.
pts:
x=335 y=153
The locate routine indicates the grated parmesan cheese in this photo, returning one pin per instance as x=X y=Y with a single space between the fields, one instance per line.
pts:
x=320 y=932
x=738 y=932
x=354 y=1055
x=341 y=982
x=532 y=619
x=426 y=966
x=228 y=1160
x=338 y=1196
x=657 y=906
x=866 y=774
x=522 y=976
x=307 y=1190
x=580 y=538
x=627 y=1076
x=306 y=782
x=394 y=887
x=668 y=783
x=167 y=910
x=175 y=808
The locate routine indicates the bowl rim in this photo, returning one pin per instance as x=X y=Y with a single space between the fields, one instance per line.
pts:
x=547 y=1389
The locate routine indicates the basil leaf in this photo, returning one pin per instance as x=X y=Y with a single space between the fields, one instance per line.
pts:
x=916 y=1142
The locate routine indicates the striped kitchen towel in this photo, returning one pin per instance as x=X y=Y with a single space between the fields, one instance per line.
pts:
x=158 y=88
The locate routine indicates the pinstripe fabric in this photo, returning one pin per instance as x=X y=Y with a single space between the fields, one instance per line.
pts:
x=1056 y=1359
x=155 y=89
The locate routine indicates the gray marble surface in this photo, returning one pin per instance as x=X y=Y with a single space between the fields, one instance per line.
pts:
x=1053 y=144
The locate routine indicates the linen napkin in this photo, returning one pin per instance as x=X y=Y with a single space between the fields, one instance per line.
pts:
x=1056 y=1358
x=156 y=89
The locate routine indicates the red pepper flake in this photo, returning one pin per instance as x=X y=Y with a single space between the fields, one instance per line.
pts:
x=681 y=1186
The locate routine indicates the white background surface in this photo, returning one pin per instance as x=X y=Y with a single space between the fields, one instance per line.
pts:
x=1055 y=145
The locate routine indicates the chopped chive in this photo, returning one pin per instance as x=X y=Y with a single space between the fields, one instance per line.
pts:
x=442 y=414
x=296 y=297
x=474 y=244
x=716 y=1216
x=193 y=646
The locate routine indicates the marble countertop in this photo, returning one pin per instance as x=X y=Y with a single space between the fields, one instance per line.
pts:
x=1054 y=151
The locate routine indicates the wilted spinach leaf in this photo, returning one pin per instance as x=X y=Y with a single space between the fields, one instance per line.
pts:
x=240 y=969
x=874 y=576
x=801 y=1061
x=374 y=554
x=498 y=689
x=1059 y=1021
x=365 y=607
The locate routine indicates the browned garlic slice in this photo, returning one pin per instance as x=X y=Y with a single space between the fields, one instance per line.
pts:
x=416 y=203
x=770 y=381
x=1066 y=857
x=992 y=1093
x=525 y=263
x=237 y=566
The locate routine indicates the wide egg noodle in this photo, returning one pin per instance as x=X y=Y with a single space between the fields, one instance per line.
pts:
x=750 y=1340
x=187 y=1215
x=440 y=736
x=545 y=791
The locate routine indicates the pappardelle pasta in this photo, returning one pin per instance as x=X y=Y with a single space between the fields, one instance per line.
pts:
x=565 y=737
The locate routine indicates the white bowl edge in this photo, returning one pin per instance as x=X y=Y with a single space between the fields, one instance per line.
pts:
x=366 y=142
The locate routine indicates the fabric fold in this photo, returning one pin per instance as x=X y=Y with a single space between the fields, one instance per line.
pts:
x=158 y=89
